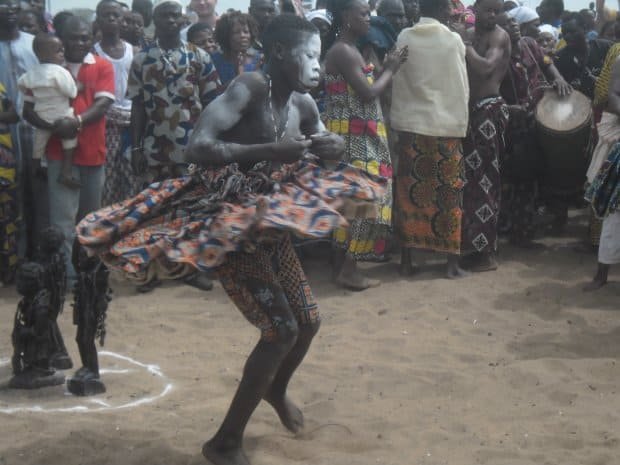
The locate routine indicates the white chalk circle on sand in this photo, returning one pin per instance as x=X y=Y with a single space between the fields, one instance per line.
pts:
x=129 y=384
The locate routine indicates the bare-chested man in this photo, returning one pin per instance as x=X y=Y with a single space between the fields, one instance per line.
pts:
x=260 y=147
x=267 y=117
x=488 y=55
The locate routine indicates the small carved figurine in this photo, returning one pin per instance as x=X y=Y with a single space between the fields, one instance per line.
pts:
x=52 y=258
x=31 y=337
x=92 y=295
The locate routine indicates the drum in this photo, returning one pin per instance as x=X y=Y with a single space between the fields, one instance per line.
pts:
x=564 y=132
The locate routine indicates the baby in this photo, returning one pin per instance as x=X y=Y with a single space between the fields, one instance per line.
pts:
x=51 y=87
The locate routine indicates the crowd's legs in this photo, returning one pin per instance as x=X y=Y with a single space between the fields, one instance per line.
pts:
x=31 y=194
x=67 y=205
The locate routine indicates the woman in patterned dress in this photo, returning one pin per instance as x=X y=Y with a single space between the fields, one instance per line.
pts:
x=8 y=191
x=354 y=112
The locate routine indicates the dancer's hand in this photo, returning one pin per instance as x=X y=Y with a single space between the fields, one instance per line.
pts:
x=289 y=150
x=327 y=145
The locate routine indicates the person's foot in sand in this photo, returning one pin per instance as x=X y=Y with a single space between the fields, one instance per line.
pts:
x=199 y=280
x=351 y=278
x=291 y=417
x=479 y=262
x=453 y=270
x=219 y=454
x=407 y=267
x=599 y=280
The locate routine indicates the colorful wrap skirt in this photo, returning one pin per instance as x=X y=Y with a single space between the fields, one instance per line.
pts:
x=482 y=151
x=429 y=192
x=196 y=220
x=604 y=192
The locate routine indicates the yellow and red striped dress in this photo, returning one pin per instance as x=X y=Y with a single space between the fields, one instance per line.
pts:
x=8 y=199
x=366 y=147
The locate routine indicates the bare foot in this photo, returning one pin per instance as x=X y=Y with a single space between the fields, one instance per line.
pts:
x=200 y=281
x=220 y=456
x=595 y=284
x=483 y=263
x=356 y=282
x=407 y=269
x=290 y=416
x=456 y=272
x=69 y=181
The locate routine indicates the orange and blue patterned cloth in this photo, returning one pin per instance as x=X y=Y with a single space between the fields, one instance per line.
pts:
x=198 y=219
x=604 y=192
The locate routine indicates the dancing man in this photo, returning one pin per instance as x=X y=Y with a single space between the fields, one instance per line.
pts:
x=235 y=216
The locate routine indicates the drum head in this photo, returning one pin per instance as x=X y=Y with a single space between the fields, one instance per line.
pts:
x=563 y=114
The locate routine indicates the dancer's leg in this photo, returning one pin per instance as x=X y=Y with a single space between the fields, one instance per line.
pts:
x=225 y=448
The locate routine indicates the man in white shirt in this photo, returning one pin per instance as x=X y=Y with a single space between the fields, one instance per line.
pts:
x=430 y=98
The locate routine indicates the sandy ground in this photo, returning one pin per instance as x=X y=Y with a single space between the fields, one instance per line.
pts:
x=512 y=367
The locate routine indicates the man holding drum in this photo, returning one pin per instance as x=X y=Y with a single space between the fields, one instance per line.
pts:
x=521 y=167
x=580 y=63
x=487 y=54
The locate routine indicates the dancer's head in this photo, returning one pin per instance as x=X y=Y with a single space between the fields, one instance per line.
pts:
x=292 y=47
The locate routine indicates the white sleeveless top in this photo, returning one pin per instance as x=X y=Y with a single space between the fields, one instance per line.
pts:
x=122 y=66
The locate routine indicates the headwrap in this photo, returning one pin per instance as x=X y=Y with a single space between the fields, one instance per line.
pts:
x=523 y=14
x=158 y=3
x=466 y=15
x=321 y=14
x=457 y=7
x=550 y=29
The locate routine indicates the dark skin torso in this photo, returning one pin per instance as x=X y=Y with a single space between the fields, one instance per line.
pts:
x=487 y=61
x=241 y=127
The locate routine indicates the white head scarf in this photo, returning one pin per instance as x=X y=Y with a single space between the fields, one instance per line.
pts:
x=158 y=3
x=523 y=14
x=321 y=14
x=550 y=29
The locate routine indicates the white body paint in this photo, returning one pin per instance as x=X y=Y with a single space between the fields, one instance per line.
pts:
x=294 y=121
x=226 y=116
x=97 y=404
x=307 y=55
